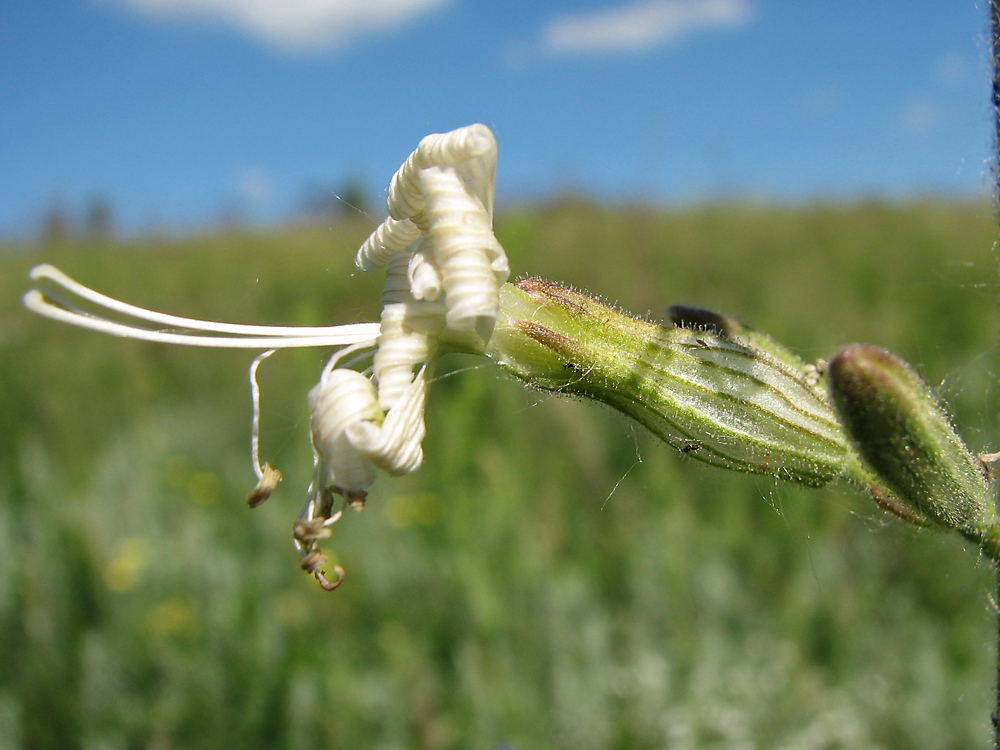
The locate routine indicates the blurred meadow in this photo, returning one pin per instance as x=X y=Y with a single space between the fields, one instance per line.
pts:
x=551 y=577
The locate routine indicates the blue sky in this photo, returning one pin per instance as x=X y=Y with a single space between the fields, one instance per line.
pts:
x=182 y=111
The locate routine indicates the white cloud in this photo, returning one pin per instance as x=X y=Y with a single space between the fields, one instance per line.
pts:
x=920 y=116
x=950 y=70
x=642 y=25
x=254 y=186
x=303 y=25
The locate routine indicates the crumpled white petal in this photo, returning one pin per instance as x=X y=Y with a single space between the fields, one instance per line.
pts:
x=472 y=150
x=390 y=237
x=471 y=263
x=395 y=444
x=410 y=333
x=444 y=191
x=423 y=274
x=341 y=401
x=352 y=434
x=443 y=277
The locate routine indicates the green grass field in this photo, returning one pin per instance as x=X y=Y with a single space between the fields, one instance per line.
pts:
x=550 y=578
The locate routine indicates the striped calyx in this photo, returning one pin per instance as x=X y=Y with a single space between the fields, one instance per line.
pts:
x=709 y=394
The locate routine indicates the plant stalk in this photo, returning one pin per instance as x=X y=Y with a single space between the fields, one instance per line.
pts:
x=994 y=7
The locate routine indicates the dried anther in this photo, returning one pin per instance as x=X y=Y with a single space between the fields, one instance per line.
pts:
x=313 y=562
x=326 y=584
x=308 y=532
x=313 y=524
x=356 y=499
x=265 y=486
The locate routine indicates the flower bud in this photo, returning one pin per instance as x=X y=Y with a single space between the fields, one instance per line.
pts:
x=716 y=398
x=905 y=438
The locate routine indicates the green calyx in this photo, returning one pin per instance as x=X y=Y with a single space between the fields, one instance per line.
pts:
x=709 y=393
x=730 y=396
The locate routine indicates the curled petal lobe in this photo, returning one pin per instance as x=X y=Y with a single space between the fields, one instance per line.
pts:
x=424 y=275
x=473 y=148
x=341 y=400
x=464 y=251
x=394 y=446
x=409 y=338
x=390 y=237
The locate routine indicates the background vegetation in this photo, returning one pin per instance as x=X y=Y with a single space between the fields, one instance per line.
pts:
x=550 y=578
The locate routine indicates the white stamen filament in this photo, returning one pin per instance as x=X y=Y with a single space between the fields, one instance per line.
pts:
x=255 y=417
x=248 y=336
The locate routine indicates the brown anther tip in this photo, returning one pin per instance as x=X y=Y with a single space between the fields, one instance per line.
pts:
x=356 y=499
x=311 y=531
x=313 y=561
x=265 y=487
x=327 y=498
x=330 y=585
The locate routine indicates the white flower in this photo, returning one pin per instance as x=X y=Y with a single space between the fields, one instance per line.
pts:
x=444 y=269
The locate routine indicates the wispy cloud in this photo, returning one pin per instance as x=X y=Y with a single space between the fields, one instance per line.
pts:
x=950 y=70
x=300 y=25
x=642 y=25
x=920 y=115
x=254 y=186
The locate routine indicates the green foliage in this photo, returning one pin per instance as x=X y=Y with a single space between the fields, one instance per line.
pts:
x=535 y=584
